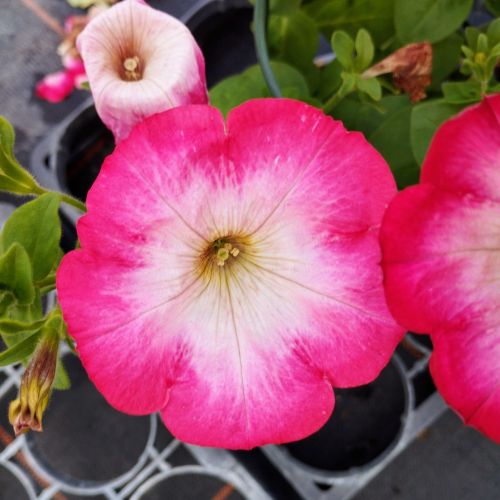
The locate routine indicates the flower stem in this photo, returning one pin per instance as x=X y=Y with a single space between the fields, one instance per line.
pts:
x=260 y=38
x=66 y=198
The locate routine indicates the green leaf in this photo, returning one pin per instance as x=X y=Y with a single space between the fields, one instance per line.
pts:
x=250 y=84
x=425 y=120
x=471 y=36
x=493 y=32
x=343 y=46
x=329 y=80
x=293 y=39
x=62 y=381
x=445 y=59
x=16 y=274
x=7 y=137
x=357 y=115
x=12 y=328
x=392 y=140
x=13 y=177
x=370 y=86
x=376 y=16
x=20 y=351
x=429 y=20
x=493 y=6
x=462 y=92
x=36 y=226
x=364 y=50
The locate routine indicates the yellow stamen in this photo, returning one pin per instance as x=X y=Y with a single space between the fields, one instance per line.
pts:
x=131 y=67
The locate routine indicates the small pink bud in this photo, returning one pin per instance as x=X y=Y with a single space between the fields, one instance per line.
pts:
x=139 y=62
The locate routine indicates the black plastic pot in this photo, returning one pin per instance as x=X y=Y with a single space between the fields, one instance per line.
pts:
x=188 y=483
x=365 y=426
x=106 y=445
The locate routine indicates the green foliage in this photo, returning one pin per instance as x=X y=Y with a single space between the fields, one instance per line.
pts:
x=462 y=92
x=20 y=351
x=425 y=119
x=294 y=39
x=493 y=6
x=250 y=84
x=16 y=276
x=429 y=20
x=13 y=178
x=36 y=227
x=376 y=16
x=392 y=139
x=445 y=59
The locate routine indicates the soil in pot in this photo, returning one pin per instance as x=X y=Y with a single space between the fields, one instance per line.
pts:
x=191 y=486
x=84 y=438
x=82 y=149
x=366 y=421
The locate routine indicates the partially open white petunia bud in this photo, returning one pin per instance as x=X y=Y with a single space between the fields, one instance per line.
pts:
x=140 y=61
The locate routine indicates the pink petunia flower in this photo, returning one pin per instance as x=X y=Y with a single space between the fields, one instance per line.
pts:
x=230 y=274
x=441 y=257
x=140 y=61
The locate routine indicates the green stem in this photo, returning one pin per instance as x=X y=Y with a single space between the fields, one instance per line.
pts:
x=66 y=198
x=260 y=38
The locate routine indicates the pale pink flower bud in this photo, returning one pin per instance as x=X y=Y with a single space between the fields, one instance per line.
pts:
x=140 y=61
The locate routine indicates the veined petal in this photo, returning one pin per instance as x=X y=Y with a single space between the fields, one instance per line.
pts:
x=252 y=341
x=441 y=260
x=464 y=366
x=464 y=155
x=168 y=70
x=443 y=251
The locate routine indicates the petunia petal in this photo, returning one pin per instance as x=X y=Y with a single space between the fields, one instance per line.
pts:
x=55 y=87
x=441 y=258
x=251 y=351
x=171 y=64
x=464 y=155
x=464 y=366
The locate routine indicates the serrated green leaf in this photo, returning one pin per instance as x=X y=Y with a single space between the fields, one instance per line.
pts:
x=20 y=351
x=36 y=226
x=16 y=274
x=429 y=20
x=376 y=16
x=425 y=119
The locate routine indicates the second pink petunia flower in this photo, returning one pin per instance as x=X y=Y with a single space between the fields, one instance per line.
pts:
x=230 y=273
x=441 y=248
x=140 y=61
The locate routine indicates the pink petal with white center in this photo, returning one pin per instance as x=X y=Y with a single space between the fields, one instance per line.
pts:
x=246 y=351
x=464 y=155
x=441 y=256
x=55 y=87
x=165 y=65
x=464 y=366
x=441 y=260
